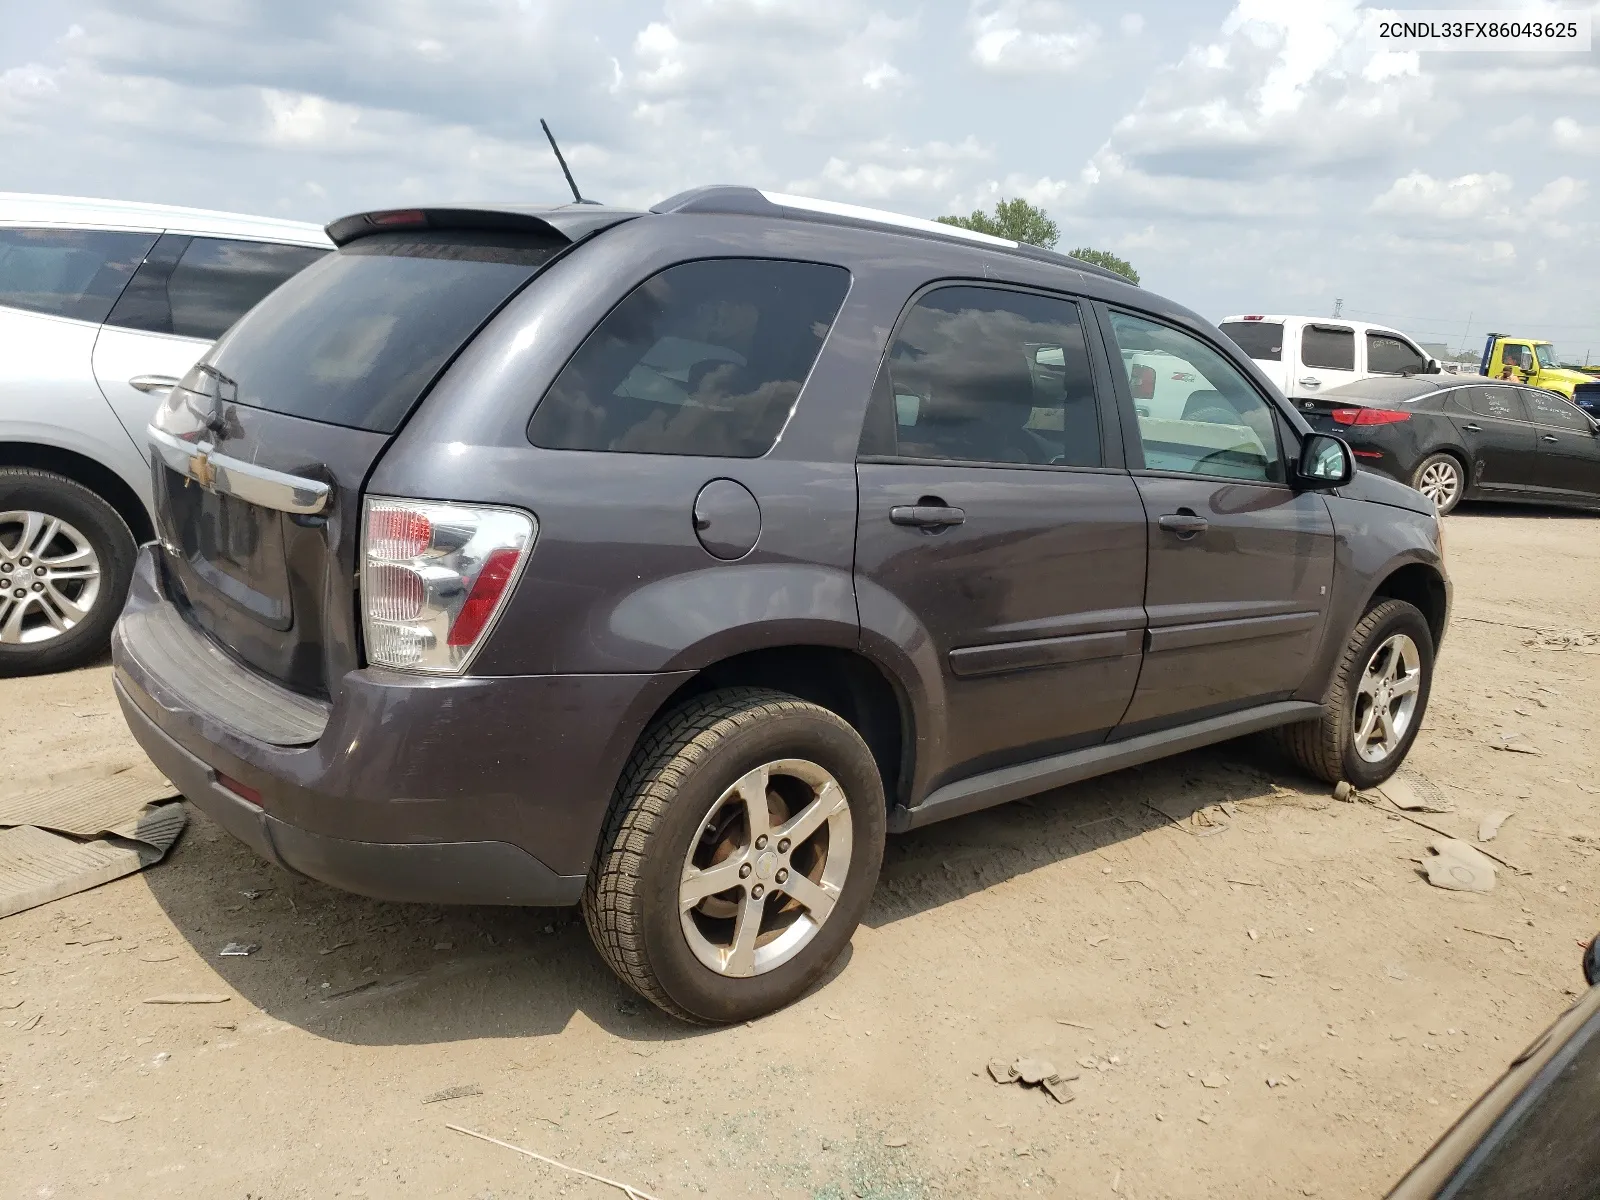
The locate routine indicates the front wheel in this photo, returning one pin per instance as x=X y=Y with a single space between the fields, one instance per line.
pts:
x=1440 y=478
x=742 y=847
x=1376 y=704
x=66 y=559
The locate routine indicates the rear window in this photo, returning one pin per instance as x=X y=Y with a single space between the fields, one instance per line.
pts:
x=1258 y=339
x=357 y=338
x=68 y=272
x=704 y=358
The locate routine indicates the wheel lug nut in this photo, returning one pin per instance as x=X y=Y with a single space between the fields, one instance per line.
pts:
x=744 y=871
x=38 y=570
x=782 y=875
x=756 y=891
x=761 y=842
x=783 y=846
x=38 y=587
x=20 y=593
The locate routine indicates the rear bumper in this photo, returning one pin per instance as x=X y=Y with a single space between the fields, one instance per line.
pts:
x=484 y=790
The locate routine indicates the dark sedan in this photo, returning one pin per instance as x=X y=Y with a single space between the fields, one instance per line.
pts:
x=1455 y=438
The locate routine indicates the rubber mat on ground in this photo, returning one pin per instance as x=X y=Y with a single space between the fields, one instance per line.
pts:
x=64 y=840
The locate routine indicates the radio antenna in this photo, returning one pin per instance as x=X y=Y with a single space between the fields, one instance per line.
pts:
x=576 y=196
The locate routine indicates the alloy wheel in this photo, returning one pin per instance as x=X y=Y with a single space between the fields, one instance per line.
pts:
x=765 y=868
x=1441 y=483
x=1386 y=697
x=49 y=577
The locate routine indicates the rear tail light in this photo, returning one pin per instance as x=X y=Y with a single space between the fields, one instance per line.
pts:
x=434 y=577
x=1369 y=416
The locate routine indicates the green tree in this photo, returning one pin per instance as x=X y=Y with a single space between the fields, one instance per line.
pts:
x=1014 y=219
x=1108 y=260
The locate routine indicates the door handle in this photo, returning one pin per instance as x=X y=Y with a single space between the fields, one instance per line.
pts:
x=1183 y=523
x=1549 y=437
x=153 y=383
x=1473 y=428
x=926 y=516
x=1311 y=381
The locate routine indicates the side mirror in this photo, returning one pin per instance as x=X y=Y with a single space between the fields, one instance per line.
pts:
x=1432 y=367
x=1325 y=462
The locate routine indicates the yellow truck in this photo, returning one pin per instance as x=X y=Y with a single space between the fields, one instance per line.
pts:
x=1529 y=361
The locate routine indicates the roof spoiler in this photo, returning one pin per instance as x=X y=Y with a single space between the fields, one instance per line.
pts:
x=569 y=222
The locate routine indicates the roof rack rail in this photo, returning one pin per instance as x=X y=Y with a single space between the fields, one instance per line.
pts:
x=739 y=200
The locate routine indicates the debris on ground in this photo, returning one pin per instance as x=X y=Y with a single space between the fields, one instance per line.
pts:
x=1579 y=640
x=1411 y=792
x=1344 y=791
x=1517 y=743
x=188 y=998
x=1214 y=1081
x=1458 y=867
x=457 y=1092
x=238 y=949
x=67 y=839
x=628 y=1190
x=1034 y=1072
x=1489 y=827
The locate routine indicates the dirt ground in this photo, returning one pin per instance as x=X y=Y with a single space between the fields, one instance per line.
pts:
x=1275 y=1004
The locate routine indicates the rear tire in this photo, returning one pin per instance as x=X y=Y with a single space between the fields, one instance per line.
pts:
x=1442 y=479
x=681 y=823
x=1387 y=665
x=66 y=560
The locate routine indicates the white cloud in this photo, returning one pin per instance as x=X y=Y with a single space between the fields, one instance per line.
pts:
x=1029 y=37
x=1131 y=24
x=1557 y=196
x=1420 y=195
x=1572 y=137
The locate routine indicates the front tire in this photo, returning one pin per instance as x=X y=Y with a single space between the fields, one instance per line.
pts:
x=1376 y=704
x=741 y=850
x=1440 y=478
x=66 y=559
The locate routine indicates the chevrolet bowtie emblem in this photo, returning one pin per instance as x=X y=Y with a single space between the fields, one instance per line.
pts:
x=201 y=470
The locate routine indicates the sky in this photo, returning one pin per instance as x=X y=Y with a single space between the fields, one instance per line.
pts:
x=1258 y=156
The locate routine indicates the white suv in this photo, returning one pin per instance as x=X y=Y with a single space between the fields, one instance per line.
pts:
x=103 y=307
x=1305 y=356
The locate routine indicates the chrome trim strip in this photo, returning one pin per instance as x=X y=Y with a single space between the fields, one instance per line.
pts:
x=230 y=476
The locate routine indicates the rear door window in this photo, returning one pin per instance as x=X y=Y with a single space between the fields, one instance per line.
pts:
x=357 y=338
x=1331 y=347
x=1500 y=403
x=980 y=374
x=1389 y=355
x=704 y=358
x=75 y=273
x=1258 y=339
x=1547 y=408
x=197 y=287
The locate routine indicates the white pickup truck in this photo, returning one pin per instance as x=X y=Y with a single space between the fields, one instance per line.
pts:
x=1305 y=356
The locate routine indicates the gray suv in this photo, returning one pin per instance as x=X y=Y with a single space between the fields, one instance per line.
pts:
x=663 y=562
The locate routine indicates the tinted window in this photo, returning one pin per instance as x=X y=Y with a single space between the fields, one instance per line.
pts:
x=1196 y=412
x=198 y=287
x=1498 y=402
x=1258 y=339
x=357 y=338
x=705 y=358
x=68 y=272
x=1388 y=355
x=1332 y=347
x=1547 y=408
x=984 y=375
